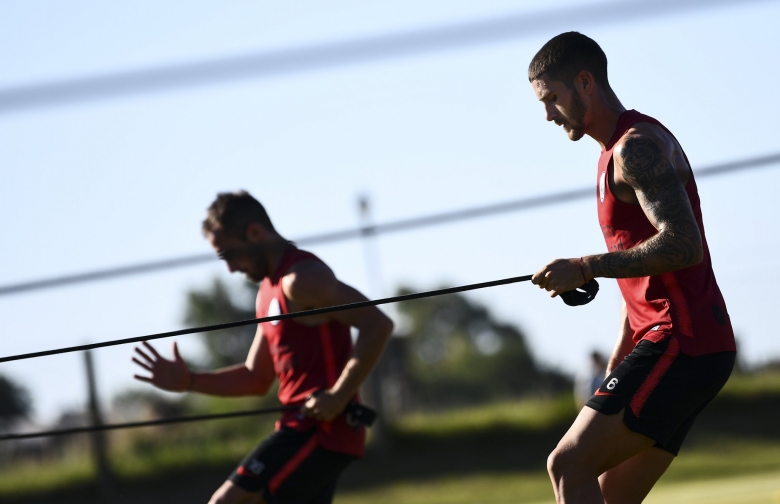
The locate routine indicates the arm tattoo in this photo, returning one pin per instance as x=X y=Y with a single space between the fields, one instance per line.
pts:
x=678 y=243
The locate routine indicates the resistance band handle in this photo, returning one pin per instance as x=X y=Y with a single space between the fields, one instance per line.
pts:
x=358 y=414
x=581 y=295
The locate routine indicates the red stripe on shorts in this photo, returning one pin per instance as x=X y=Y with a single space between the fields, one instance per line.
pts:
x=658 y=371
x=292 y=464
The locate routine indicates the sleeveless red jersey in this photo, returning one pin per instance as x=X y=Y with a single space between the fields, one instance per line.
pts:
x=686 y=302
x=306 y=359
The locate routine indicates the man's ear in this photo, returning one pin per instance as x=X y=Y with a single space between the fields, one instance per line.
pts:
x=256 y=232
x=585 y=82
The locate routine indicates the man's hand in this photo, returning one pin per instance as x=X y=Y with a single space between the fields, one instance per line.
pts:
x=172 y=375
x=559 y=276
x=324 y=406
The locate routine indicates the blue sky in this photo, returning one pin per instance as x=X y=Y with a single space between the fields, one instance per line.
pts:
x=109 y=182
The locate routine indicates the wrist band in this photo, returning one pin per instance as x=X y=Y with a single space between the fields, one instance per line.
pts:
x=192 y=380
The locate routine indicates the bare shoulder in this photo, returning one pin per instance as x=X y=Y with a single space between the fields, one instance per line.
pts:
x=308 y=282
x=647 y=151
x=645 y=138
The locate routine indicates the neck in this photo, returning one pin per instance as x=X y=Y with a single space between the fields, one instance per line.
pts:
x=276 y=251
x=604 y=117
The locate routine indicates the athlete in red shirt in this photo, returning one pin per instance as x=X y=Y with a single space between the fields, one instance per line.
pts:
x=675 y=349
x=300 y=462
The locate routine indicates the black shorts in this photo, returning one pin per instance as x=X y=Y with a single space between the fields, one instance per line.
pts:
x=289 y=467
x=662 y=390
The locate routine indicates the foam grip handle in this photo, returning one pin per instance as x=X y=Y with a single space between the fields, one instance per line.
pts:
x=358 y=415
x=581 y=295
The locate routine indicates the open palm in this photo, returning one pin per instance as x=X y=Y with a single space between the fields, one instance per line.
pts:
x=172 y=375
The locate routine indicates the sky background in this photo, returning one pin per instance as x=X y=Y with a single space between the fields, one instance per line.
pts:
x=114 y=181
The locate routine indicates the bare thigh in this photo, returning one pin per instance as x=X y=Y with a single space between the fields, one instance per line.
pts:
x=596 y=442
x=631 y=481
x=230 y=493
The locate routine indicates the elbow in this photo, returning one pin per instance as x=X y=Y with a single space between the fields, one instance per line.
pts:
x=389 y=326
x=698 y=256
x=386 y=327
x=697 y=250
x=261 y=388
x=260 y=383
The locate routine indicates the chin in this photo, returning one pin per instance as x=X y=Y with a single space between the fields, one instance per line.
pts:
x=575 y=134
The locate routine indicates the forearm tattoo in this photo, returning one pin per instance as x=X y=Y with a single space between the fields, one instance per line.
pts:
x=663 y=198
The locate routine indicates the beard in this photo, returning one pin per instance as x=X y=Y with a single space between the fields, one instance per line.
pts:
x=574 y=124
x=257 y=256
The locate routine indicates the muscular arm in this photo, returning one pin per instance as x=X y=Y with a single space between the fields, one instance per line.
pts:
x=314 y=286
x=642 y=164
x=253 y=377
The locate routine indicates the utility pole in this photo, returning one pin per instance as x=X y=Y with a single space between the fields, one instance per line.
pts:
x=98 y=438
x=372 y=388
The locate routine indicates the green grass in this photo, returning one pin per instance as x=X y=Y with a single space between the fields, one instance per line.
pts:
x=490 y=453
x=494 y=488
x=535 y=489
x=530 y=414
x=767 y=382
x=43 y=476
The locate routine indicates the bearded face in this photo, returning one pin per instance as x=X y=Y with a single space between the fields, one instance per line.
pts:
x=573 y=120
x=563 y=105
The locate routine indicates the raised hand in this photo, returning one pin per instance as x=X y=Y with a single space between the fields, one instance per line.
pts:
x=172 y=375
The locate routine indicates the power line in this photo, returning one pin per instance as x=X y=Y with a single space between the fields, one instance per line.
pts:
x=283 y=316
x=352 y=233
x=346 y=52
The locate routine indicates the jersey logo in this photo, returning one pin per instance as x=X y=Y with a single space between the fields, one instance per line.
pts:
x=602 y=185
x=274 y=309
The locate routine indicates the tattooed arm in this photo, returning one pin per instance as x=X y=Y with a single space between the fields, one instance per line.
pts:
x=643 y=175
x=642 y=161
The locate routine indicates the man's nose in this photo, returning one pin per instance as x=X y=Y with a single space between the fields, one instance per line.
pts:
x=550 y=112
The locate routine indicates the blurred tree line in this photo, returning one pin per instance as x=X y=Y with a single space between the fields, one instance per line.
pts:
x=452 y=351
x=15 y=402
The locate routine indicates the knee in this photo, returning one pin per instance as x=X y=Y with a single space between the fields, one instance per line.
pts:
x=228 y=494
x=562 y=466
x=221 y=497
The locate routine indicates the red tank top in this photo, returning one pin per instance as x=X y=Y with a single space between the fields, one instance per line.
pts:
x=306 y=359
x=686 y=302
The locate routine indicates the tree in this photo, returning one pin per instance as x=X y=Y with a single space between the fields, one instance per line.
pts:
x=14 y=401
x=460 y=354
x=218 y=304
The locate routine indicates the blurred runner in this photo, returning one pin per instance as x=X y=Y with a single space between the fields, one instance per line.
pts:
x=313 y=358
x=589 y=381
x=676 y=345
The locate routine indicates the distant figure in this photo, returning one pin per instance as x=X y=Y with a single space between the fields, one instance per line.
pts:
x=313 y=358
x=675 y=348
x=586 y=384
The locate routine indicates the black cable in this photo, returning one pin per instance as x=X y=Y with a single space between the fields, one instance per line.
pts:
x=284 y=316
x=148 y=423
x=286 y=61
x=387 y=227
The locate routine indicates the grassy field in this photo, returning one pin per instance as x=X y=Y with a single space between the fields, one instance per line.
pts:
x=535 y=489
x=489 y=454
